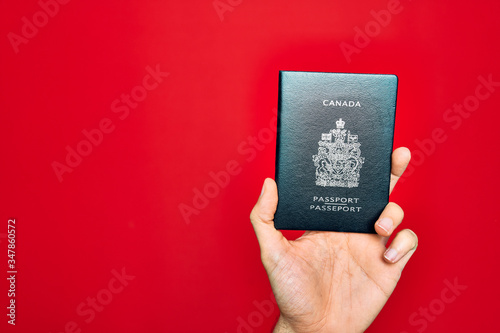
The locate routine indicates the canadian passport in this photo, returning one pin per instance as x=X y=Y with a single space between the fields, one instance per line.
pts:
x=333 y=150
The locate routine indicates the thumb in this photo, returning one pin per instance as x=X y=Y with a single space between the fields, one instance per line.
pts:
x=271 y=241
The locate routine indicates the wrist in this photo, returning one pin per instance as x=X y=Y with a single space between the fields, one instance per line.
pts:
x=285 y=326
x=282 y=326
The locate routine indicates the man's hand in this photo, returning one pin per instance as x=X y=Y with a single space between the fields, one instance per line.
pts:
x=333 y=281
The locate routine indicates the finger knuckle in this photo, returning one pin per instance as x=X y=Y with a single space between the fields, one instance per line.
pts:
x=253 y=215
x=396 y=209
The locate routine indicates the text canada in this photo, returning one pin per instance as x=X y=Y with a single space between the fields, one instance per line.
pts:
x=350 y=104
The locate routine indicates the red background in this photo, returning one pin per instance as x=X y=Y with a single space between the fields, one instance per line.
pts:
x=119 y=208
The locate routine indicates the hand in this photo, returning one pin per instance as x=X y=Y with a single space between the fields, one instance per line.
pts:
x=333 y=281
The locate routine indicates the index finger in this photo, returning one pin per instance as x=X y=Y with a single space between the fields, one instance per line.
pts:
x=400 y=159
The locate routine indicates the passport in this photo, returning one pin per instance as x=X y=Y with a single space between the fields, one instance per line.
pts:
x=333 y=150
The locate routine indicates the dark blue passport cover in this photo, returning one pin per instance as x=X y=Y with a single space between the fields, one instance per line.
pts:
x=333 y=150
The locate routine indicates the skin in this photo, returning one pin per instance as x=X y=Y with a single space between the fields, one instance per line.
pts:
x=333 y=281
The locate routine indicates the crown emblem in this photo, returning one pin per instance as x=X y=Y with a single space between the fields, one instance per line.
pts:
x=338 y=161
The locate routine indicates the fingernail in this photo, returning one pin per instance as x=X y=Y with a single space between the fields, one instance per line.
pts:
x=263 y=186
x=391 y=254
x=386 y=224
